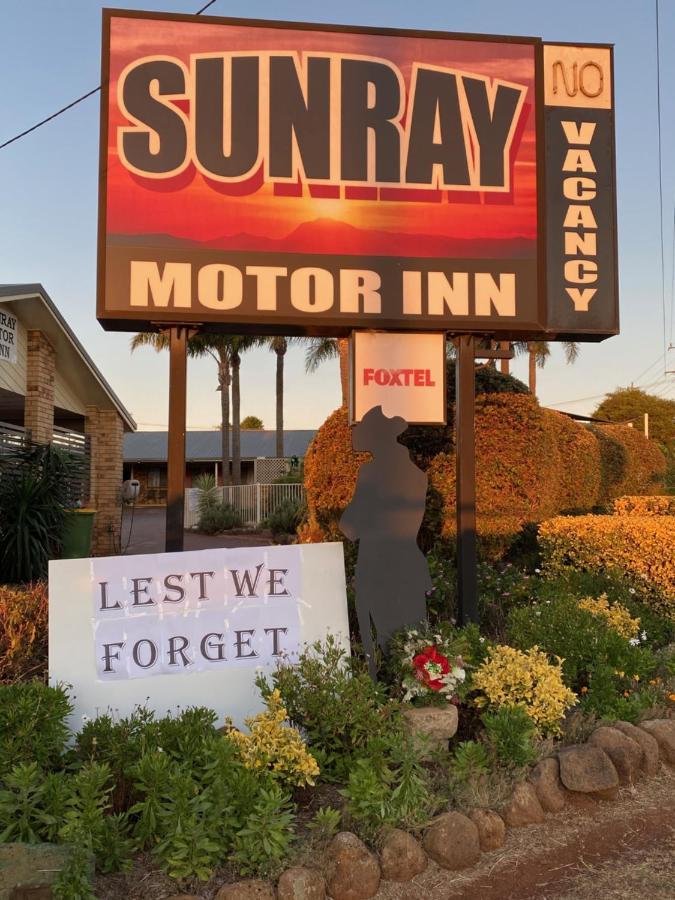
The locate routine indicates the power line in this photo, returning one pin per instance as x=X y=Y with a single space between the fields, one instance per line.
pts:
x=660 y=156
x=68 y=106
x=598 y=396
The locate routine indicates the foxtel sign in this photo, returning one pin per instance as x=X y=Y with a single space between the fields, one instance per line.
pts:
x=299 y=179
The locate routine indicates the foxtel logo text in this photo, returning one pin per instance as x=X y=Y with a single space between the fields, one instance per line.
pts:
x=399 y=377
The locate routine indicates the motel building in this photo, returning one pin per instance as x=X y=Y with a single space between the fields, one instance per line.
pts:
x=145 y=458
x=52 y=392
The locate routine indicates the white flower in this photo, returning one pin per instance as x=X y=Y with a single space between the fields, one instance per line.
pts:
x=632 y=591
x=481 y=640
x=634 y=641
x=644 y=635
x=537 y=571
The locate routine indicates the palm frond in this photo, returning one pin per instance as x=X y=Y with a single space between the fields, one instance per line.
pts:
x=318 y=351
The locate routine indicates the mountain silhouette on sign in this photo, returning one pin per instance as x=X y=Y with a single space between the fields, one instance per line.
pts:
x=331 y=236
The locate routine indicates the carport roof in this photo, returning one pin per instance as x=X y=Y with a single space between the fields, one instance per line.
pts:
x=204 y=446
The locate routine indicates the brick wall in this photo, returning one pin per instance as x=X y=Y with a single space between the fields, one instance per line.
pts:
x=39 y=406
x=106 y=431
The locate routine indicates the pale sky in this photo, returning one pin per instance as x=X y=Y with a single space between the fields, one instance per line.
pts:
x=50 y=54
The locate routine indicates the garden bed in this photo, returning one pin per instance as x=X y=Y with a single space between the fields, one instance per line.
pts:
x=187 y=804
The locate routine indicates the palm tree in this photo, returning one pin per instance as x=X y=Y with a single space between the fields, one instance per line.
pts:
x=238 y=345
x=220 y=347
x=279 y=345
x=323 y=348
x=538 y=352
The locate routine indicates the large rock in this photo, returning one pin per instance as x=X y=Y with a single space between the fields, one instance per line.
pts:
x=524 y=807
x=491 y=828
x=401 y=856
x=29 y=870
x=625 y=753
x=352 y=871
x=452 y=841
x=663 y=730
x=586 y=769
x=246 y=890
x=301 y=883
x=545 y=779
x=431 y=726
x=650 y=748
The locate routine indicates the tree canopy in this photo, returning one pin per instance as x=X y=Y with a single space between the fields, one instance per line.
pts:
x=630 y=405
x=252 y=422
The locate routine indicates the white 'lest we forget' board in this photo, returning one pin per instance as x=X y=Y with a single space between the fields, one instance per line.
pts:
x=171 y=630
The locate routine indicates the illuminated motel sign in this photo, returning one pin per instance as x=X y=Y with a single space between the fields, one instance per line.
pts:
x=279 y=178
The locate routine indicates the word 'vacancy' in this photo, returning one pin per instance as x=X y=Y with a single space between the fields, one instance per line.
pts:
x=312 y=290
x=328 y=118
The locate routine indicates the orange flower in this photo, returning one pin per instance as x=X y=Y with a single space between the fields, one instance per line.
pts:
x=584 y=690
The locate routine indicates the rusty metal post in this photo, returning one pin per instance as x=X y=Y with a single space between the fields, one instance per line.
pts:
x=465 y=446
x=175 y=493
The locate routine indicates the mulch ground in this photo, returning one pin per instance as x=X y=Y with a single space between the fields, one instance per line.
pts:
x=623 y=850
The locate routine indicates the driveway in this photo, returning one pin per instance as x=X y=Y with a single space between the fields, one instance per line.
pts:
x=145 y=534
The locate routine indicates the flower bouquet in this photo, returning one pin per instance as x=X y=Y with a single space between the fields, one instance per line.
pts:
x=428 y=664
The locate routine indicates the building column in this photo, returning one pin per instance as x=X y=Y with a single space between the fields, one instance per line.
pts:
x=39 y=404
x=106 y=432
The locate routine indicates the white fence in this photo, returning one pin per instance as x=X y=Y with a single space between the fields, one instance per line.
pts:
x=253 y=502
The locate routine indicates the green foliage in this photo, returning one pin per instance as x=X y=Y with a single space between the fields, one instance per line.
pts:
x=597 y=662
x=252 y=422
x=331 y=698
x=631 y=404
x=74 y=880
x=287 y=517
x=208 y=493
x=325 y=823
x=36 y=487
x=264 y=842
x=511 y=734
x=470 y=761
x=218 y=518
x=32 y=724
x=22 y=814
x=88 y=819
x=502 y=588
x=392 y=791
x=122 y=743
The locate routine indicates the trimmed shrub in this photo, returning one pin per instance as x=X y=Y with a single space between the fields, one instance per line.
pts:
x=579 y=470
x=23 y=632
x=531 y=464
x=644 y=506
x=331 y=468
x=636 y=546
x=287 y=517
x=629 y=462
x=219 y=517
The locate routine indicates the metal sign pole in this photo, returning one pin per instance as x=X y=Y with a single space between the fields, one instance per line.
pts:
x=465 y=445
x=175 y=493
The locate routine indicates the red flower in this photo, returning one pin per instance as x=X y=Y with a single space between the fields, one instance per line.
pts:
x=430 y=666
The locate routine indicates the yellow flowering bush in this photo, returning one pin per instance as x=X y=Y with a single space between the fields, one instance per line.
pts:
x=275 y=747
x=615 y=615
x=637 y=546
x=511 y=677
x=644 y=506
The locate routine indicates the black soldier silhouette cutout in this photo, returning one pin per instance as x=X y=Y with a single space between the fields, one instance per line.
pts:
x=385 y=515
